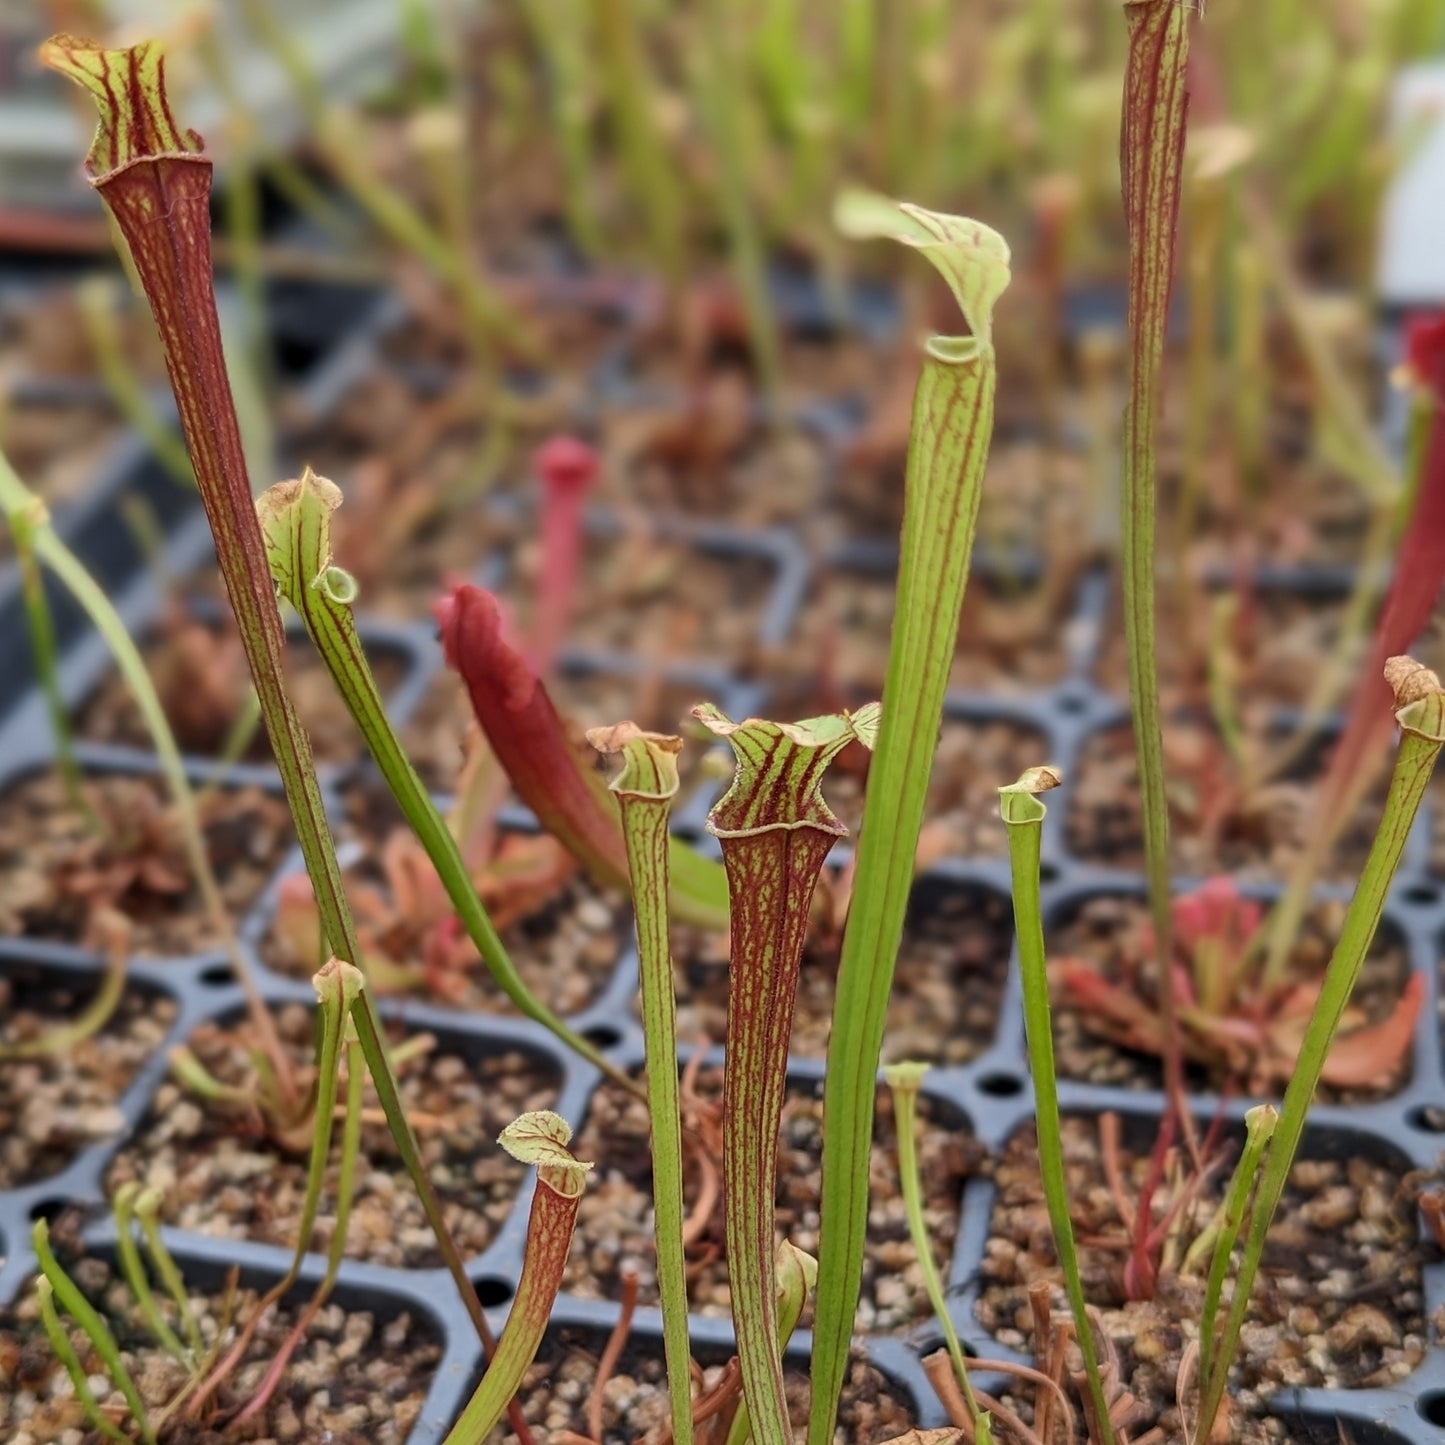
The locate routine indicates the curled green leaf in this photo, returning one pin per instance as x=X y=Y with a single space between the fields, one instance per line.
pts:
x=971 y=257
x=649 y=760
x=644 y=790
x=947 y=451
x=541 y=1138
x=1018 y=803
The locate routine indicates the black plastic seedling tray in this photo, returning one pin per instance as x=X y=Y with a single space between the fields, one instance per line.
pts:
x=991 y=1091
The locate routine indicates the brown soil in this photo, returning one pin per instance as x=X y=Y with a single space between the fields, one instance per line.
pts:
x=714 y=352
x=434 y=735
x=200 y=672
x=54 y=1105
x=614 y=1230
x=565 y=935
x=654 y=596
x=709 y=456
x=55 y=869
x=356 y=1378
x=224 y=1176
x=58 y=448
x=1013 y=637
x=1214 y=826
x=1277 y=646
x=635 y=1402
x=1095 y=934
x=1034 y=496
x=946 y=992
x=1338 y=1304
x=1307 y=512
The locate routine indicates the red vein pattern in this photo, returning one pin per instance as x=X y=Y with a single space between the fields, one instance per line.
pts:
x=776 y=832
x=1152 y=161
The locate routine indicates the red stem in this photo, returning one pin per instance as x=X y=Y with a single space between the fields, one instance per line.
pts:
x=566 y=469
x=529 y=738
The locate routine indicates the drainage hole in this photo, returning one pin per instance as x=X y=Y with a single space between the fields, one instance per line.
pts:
x=1422 y=895
x=1431 y=1406
x=48 y=1209
x=1429 y=1119
x=493 y=1292
x=602 y=1036
x=219 y=975
x=1001 y=1086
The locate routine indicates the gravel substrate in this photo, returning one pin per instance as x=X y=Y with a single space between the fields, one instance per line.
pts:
x=635 y=1406
x=56 y=1104
x=55 y=867
x=564 y=934
x=1338 y=1303
x=356 y=1378
x=946 y=993
x=224 y=1175
x=199 y=669
x=615 y=1228
x=1216 y=823
x=1104 y=925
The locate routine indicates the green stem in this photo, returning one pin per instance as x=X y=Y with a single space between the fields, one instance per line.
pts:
x=645 y=789
x=147 y=1210
x=92 y=1326
x=122 y=1205
x=65 y=1353
x=857 y=38
x=345 y=1193
x=1259 y=1126
x=903 y=1083
x=338 y=984
x=1153 y=155
x=560 y=29
x=22 y=524
x=92 y=1019
x=1421 y=717
x=722 y=88
x=948 y=446
x=540 y=1138
x=296 y=523
x=644 y=156
x=1025 y=815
